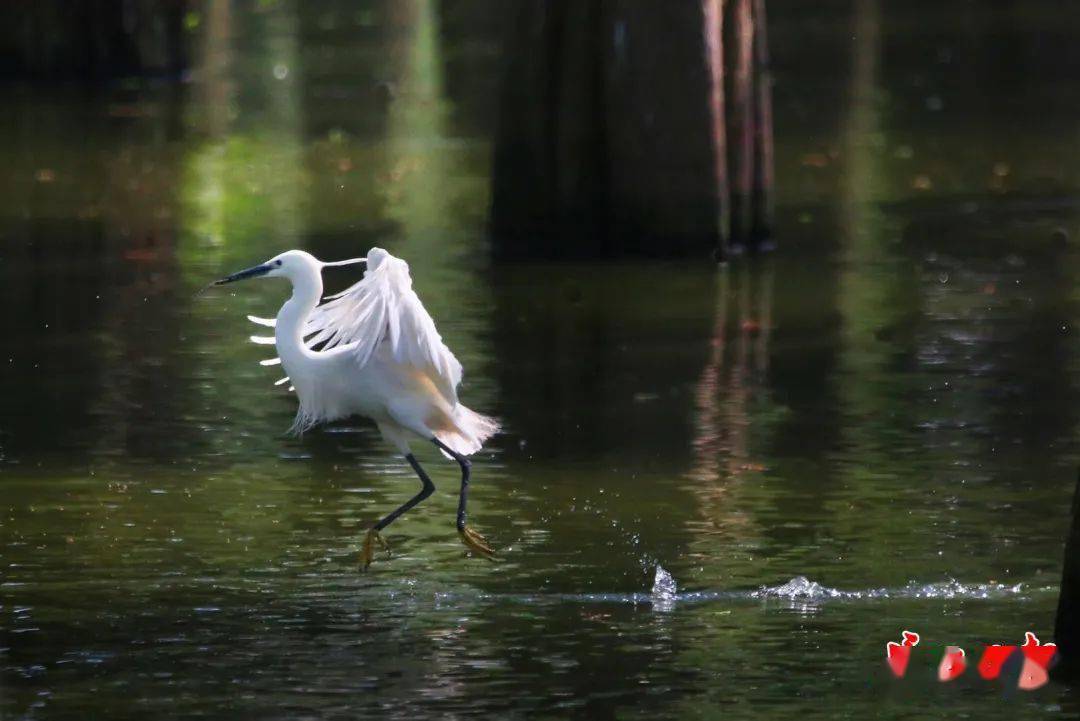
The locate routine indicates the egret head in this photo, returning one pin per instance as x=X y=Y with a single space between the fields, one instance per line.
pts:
x=292 y=264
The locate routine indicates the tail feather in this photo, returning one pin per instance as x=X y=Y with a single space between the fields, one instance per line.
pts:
x=469 y=432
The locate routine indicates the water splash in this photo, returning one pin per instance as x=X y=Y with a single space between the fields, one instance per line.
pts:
x=664 y=585
x=799 y=593
x=664 y=590
x=800 y=587
x=955 y=589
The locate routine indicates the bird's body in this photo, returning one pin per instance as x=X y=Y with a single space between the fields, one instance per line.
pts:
x=372 y=351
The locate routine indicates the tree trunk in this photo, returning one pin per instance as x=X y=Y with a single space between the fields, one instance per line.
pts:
x=740 y=119
x=761 y=224
x=613 y=139
x=93 y=40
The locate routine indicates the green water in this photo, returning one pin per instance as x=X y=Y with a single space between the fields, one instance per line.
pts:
x=886 y=406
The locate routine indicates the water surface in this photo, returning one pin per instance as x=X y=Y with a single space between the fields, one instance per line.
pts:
x=870 y=430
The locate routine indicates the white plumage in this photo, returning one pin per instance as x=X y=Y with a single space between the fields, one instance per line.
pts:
x=371 y=350
x=383 y=308
x=378 y=332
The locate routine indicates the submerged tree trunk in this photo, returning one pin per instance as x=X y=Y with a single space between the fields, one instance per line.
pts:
x=613 y=136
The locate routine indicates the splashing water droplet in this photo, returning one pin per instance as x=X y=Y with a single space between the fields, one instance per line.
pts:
x=663 y=587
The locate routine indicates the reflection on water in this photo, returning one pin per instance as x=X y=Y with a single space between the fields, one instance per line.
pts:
x=717 y=489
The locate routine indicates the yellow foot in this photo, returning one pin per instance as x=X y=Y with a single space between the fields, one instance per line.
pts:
x=476 y=542
x=367 y=551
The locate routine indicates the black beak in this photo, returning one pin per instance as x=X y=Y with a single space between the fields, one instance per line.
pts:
x=248 y=273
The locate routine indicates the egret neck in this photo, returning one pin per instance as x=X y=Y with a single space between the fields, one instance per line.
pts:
x=307 y=288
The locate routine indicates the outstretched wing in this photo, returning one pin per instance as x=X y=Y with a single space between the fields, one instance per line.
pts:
x=384 y=307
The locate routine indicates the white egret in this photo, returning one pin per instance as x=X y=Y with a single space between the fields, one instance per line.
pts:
x=373 y=351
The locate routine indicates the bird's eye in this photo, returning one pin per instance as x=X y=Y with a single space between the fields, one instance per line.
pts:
x=277 y=263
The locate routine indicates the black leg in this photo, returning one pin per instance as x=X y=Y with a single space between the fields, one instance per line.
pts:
x=426 y=491
x=464 y=495
x=471 y=538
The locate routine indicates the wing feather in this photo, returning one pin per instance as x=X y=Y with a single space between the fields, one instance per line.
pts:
x=383 y=308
